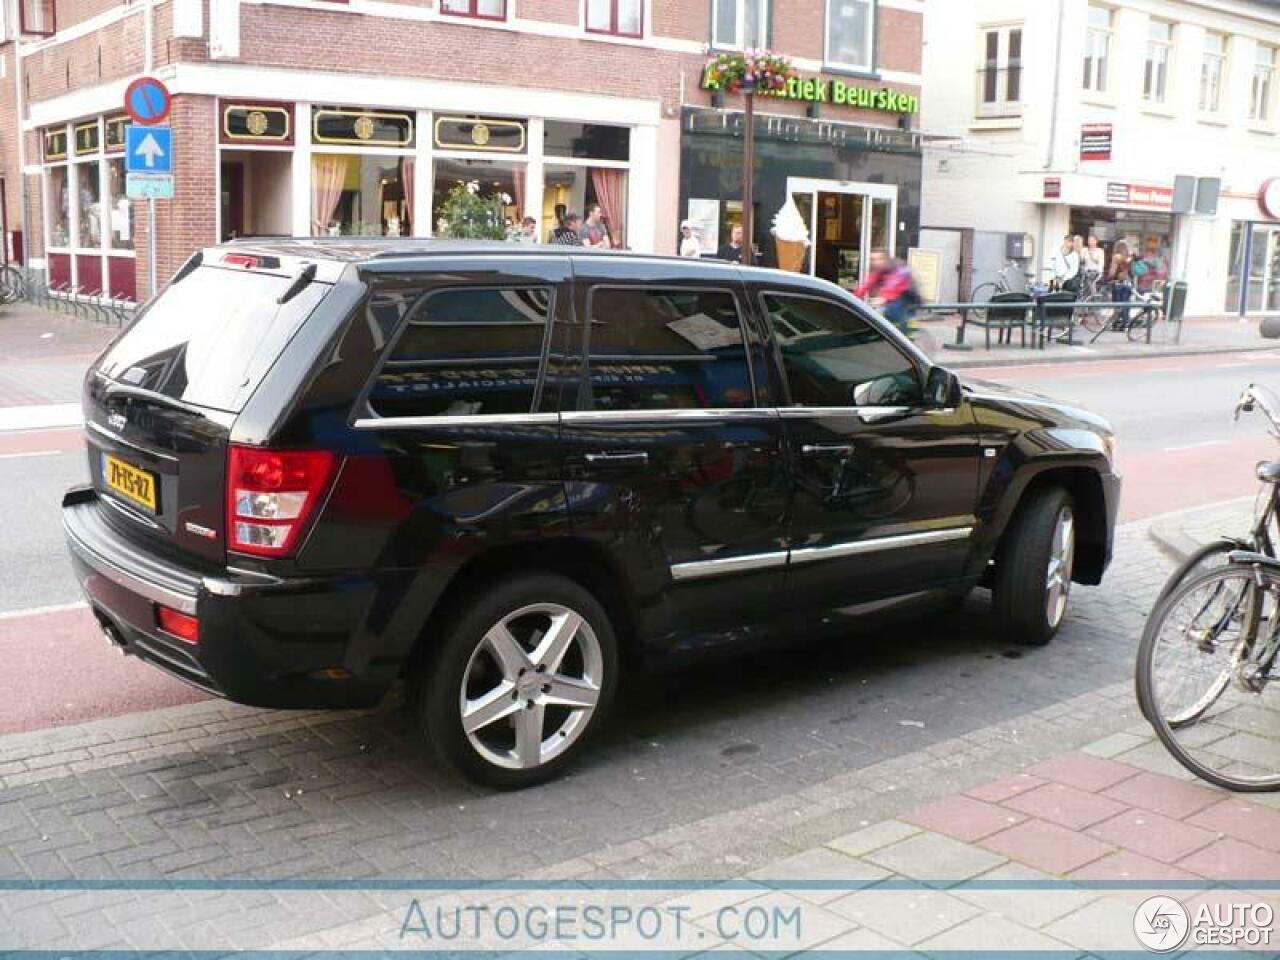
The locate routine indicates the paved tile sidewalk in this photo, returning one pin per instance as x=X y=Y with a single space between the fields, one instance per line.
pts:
x=43 y=354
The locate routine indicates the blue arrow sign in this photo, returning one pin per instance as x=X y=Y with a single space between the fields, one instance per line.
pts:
x=148 y=149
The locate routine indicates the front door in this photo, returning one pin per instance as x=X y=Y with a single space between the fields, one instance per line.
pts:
x=846 y=222
x=674 y=452
x=885 y=487
x=232 y=174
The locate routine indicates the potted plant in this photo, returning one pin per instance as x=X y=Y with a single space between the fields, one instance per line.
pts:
x=467 y=214
x=749 y=71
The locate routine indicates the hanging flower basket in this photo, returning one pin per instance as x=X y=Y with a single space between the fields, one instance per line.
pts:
x=750 y=71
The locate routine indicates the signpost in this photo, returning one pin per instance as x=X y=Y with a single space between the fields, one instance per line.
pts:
x=148 y=157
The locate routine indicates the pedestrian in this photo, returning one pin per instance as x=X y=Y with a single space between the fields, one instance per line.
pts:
x=889 y=288
x=1120 y=276
x=689 y=245
x=732 y=251
x=594 y=233
x=1066 y=266
x=1094 y=258
x=568 y=233
x=1150 y=268
x=528 y=231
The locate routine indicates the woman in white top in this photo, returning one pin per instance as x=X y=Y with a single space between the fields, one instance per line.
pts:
x=689 y=246
x=1093 y=259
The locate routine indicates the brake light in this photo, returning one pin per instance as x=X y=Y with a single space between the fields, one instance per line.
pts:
x=241 y=260
x=181 y=625
x=270 y=496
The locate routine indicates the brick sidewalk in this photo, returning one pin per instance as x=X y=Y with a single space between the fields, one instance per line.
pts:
x=43 y=355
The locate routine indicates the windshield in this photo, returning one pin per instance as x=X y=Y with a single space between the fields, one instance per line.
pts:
x=211 y=337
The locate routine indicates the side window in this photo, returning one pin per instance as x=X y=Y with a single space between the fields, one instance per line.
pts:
x=464 y=352
x=834 y=358
x=678 y=349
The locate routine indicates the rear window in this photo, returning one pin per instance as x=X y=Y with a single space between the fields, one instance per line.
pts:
x=210 y=338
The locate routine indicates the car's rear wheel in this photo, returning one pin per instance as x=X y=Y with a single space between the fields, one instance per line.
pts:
x=1034 y=568
x=523 y=678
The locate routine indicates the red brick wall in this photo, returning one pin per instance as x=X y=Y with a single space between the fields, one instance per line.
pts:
x=552 y=11
x=901 y=40
x=72 y=12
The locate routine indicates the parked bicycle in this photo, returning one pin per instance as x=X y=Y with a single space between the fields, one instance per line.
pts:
x=13 y=286
x=1010 y=279
x=1208 y=652
x=1146 y=310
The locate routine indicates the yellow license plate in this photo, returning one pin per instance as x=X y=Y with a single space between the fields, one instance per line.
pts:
x=137 y=486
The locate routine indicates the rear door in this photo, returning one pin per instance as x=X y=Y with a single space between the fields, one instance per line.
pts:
x=160 y=403
x=673 y=448
x=885 y=486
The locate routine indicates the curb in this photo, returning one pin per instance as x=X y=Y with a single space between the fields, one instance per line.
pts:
x=960 y=362
x=1169 y=534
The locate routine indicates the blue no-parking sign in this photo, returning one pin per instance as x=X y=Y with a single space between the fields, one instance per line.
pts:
x=147 y=101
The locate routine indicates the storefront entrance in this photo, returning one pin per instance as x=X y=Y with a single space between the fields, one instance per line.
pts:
x=846 y=222
x=255 y=193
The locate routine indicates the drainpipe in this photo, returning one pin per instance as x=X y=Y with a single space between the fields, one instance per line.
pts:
x=20 y=109
x=1053 y=131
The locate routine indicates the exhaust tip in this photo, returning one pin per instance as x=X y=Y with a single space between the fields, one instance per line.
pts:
x=112 y=634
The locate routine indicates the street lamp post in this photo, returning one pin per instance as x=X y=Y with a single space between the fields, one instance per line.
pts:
x=748 y=168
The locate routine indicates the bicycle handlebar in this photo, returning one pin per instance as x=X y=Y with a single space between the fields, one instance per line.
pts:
x=1257 y=396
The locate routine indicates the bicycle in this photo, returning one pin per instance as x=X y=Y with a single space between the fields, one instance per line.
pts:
x=1092 y=289
x=13 y=286
x=1010 y=279
x=1208 y=650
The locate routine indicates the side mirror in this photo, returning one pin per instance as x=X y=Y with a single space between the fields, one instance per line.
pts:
x=942 y=388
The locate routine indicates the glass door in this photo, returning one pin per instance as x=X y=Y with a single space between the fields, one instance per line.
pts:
x=846 y=222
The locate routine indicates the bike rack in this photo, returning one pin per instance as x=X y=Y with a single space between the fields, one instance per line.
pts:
x=1039 y=306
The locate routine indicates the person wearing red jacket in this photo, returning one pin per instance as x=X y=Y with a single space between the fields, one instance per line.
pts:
x=888 y=288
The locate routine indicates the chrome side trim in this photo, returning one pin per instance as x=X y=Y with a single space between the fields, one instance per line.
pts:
x=697 y=569
x=476 y=420
x=719 y=413
x=876 y=544
x=795 y=412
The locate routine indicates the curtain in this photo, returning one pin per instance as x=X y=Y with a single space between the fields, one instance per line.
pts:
x=406 y=186
x=613 y=201
x=328 y=174
x=518 y=175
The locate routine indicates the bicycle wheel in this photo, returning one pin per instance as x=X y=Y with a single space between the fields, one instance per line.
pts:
x=982 y=293
x=1144 y=318
x=12 y=285
x=1204 y=671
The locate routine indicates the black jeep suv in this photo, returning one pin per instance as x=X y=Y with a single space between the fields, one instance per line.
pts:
x=508 y=474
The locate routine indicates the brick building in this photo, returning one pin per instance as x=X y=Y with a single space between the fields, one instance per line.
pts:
x=311 y=117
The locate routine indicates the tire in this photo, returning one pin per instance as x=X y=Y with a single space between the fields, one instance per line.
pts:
x=527 y=605
x=1137 y=329
x=1029 y=551
x=982 y=293
x=1204 y=727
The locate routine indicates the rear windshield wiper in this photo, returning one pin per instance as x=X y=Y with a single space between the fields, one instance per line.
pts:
x=116 y=389
x=300 y=282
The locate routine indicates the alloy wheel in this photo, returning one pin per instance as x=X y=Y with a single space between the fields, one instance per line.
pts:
x=1062 y=553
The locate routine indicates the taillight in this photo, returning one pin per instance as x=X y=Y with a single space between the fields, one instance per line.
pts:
x=181 y=625
x=270 y=496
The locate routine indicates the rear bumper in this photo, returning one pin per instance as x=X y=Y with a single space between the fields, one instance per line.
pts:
x=264 y=642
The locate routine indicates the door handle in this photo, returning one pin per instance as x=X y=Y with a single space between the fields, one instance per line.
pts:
x=819 y=449
x=634 y=458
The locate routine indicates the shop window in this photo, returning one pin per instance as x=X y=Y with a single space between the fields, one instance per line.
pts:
x=624 y=18
x=1155 y=74
x=1235 y=267
x=851 y=28
x=592 y=141
x=466 y=352
x=738 y=24
x=1000 y=77
x=488 y=197
x=576 y=189
x=1097 y=49
x=89 y=196
x=361 y=195
x=38 y=18
x=666 y=350
x=835 y=358
x=59 y=207
x=1213 y=67
x=1264 y=72
x=482 y=9
x=119 y=213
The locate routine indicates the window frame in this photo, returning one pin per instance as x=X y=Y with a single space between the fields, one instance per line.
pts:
x=1098 y=81
x=614 y=20
x=745 y=327
x=740 y=25
x=1147 y=63
x=1262 y=116
x=918 y=364
x=872 y=41
x=1002 y=66
x=26 y=29
x=364 y=407
x=473 y=12
x=1206 y=55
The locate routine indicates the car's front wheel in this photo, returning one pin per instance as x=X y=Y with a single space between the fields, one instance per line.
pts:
x=1034 y=568
x=524 y=676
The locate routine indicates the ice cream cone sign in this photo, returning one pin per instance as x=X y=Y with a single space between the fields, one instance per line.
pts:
x=790 y=237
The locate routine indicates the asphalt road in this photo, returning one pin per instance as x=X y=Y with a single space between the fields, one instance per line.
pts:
x=1178 y=448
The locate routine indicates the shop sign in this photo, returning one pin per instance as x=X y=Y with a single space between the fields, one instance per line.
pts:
x=1269 y=197
x=361 y=128
x=480 y=133
x=86 y=137
x=1095 y=141
x=1140 y=195
x=115 y=132
x=257 y=122
x=55 y=144
x=1052 y=188
x=817 y=90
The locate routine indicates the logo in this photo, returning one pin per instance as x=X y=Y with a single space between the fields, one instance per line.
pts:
x=480 y=135
x=1161 y=924
x=256 y=122
x=117 y=421
x=363 y=127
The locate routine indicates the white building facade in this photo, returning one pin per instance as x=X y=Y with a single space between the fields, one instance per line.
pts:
x=1072 y=116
